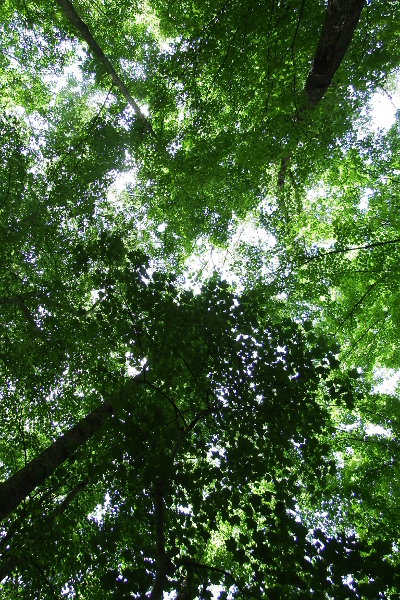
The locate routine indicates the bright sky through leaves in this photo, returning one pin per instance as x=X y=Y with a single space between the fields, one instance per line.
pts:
x=200 y=291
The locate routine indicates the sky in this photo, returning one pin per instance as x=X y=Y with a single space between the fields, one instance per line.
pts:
x=384 y=107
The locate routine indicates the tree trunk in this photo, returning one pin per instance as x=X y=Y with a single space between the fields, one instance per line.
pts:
x=340 y=22
x=163 y=563
x=71 y=14
x=20 y=485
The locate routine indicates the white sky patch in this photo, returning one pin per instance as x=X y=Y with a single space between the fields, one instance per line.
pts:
x=383 y=109
x=122 y=180
x=377 y=430
x=100 y=510
x=364 y=200
x=386 y=381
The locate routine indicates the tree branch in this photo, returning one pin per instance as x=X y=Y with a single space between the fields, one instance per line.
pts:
x=45 y=578
x=282 y=172
x=62 y=507
x=19 y=301
x=8 y=567
x=350 y=314
x=22 y=483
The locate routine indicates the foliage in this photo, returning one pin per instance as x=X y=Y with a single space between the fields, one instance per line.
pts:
x=240 y=458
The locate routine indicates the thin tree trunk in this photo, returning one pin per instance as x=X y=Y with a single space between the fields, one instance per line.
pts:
x=163 y=563
x=20 y=485
x=62 y=507
x=71 y=14
x=340 y=22
x=9 y=563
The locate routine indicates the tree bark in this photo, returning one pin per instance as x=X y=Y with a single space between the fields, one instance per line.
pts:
x=20 y=485
x=71 y=14
x=340 y=22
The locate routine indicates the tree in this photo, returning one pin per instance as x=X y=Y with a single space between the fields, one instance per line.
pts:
x=215 y=421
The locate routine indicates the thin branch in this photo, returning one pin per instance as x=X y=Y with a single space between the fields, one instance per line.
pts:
x=224 y=60
x=354 y=346
x=22 y=437
x=183 y=432
x=292 y=55
x=8 y=188
x=45 y=578
x=62 y=507
x=343 y=250
x=90 y=128
x=135 y=330
x=6 y=568
x=188 y=367
x=28 y=316
x=178 y=412
x=298 y=25
x=281 y=173
x=350 y=314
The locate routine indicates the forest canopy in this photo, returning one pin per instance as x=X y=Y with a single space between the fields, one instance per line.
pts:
x=199 y=230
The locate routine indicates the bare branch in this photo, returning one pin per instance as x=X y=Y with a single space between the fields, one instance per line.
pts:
x=45 y=578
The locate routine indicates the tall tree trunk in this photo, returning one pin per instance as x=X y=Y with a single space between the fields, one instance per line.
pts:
x=340 y=22
x=20 y=485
